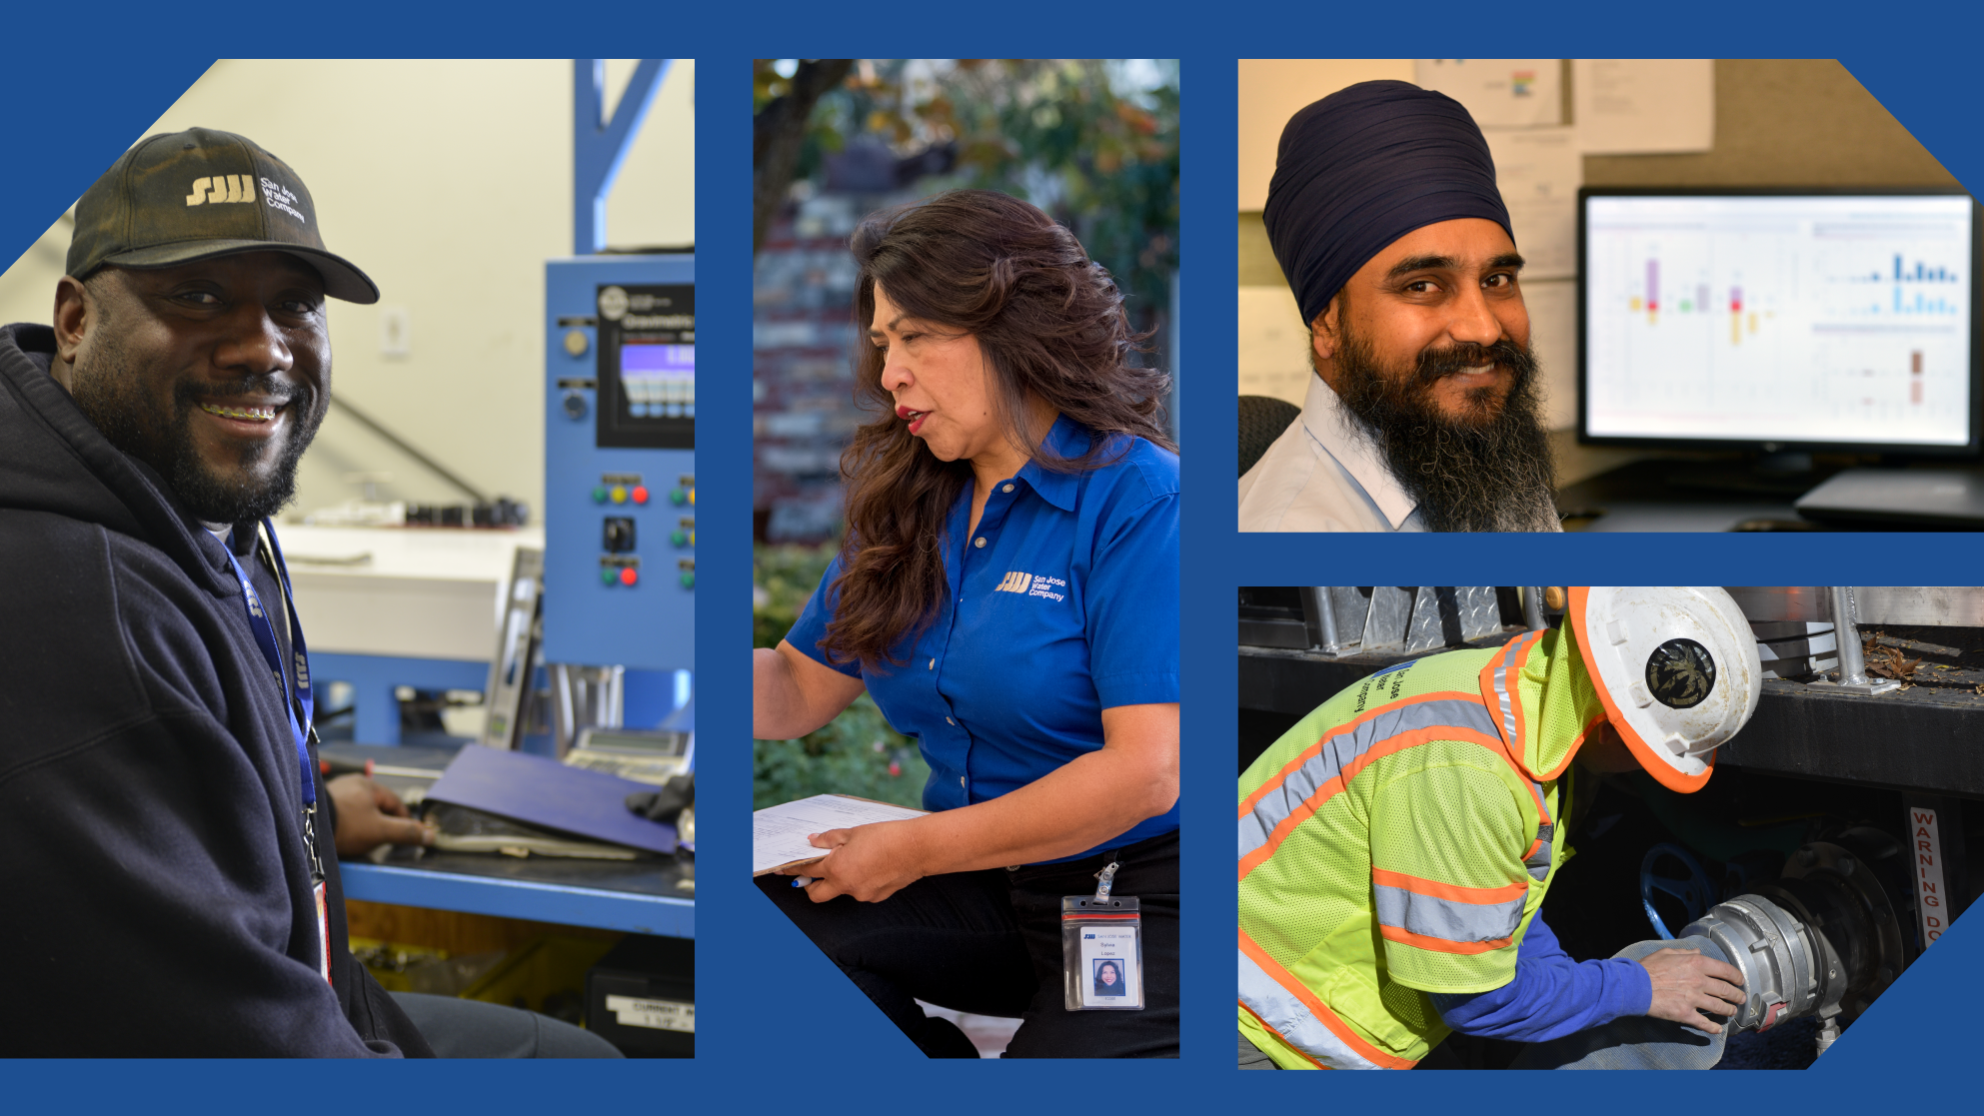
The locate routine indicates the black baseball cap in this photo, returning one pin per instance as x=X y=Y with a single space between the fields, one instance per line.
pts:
x=182 y=196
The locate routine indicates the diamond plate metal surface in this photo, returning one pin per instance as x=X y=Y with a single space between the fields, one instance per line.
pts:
x=1390 y=616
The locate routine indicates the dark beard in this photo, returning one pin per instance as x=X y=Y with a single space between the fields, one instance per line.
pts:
x=112 y=397
x=1482 y=472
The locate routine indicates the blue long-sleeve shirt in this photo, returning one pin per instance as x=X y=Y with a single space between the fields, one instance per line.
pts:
x=1551 y=995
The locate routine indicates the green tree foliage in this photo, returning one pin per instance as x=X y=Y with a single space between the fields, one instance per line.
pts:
x=1095 y=143
x=857 y=752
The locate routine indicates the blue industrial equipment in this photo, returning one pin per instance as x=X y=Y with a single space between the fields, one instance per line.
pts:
x=620 y=421
x=620 y=462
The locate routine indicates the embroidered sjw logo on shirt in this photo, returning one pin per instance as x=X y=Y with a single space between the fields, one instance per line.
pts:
x=1035 y=585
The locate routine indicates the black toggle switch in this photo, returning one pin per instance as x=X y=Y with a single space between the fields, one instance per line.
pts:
x=619 y=535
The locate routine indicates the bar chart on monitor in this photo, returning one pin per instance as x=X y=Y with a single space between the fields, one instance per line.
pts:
x=1806 y=319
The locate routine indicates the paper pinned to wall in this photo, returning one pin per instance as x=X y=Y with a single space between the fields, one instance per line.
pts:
x=1498 y=92
x=1273 y=350
x=1640 y=106
x=1539 y=171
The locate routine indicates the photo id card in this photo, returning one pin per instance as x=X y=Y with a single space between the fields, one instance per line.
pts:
x=1109 y=955
x=1102 y=954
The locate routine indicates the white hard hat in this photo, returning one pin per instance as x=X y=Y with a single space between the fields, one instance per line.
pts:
x=1677 y=670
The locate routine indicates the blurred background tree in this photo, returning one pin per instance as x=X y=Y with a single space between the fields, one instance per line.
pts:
x=1094 y=142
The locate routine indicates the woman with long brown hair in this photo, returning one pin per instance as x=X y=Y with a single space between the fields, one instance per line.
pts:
x=1008 y=592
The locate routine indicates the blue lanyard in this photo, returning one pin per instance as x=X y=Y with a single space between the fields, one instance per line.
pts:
x=265 y=636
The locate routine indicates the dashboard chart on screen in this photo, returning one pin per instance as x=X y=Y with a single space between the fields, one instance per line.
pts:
x=1779 y=318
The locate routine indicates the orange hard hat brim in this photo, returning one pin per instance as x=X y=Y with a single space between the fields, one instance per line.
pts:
x=1663 y=772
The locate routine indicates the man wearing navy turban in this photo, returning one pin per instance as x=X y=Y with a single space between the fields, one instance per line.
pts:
x=1424 y=413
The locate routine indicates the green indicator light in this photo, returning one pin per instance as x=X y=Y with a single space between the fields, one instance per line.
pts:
x=688 y=580
x=607 y=576
x=599 y=494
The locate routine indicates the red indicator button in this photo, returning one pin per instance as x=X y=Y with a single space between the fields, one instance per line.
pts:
x=640 y=494
x=629 y=575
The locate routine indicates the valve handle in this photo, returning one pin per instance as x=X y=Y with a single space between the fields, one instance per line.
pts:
x=1692 y=889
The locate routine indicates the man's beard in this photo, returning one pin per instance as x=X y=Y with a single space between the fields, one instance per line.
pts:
x=1474 y=473
x=112 y=396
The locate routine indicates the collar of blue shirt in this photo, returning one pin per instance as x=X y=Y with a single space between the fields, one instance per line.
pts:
x=1067 y=438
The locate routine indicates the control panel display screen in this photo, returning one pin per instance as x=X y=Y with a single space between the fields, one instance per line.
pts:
x=659 y=380
x=647 y=366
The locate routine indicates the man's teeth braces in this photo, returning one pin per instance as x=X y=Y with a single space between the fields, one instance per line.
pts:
x=255 y=414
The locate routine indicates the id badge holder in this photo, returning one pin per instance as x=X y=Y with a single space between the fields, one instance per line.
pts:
x=1102 y=952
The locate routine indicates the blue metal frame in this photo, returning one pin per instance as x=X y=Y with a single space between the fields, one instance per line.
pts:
x=542 y=902
x=599 y=145
x=374 y=677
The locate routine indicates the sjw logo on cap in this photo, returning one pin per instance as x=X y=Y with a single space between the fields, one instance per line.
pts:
x=222 y=188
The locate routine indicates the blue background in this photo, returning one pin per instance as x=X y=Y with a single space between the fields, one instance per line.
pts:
x=779 y=1027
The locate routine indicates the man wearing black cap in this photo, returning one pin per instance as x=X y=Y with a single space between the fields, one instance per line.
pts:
x=1424 y=413
x=169 y=873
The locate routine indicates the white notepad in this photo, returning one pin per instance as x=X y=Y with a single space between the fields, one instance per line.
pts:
x=778 y=833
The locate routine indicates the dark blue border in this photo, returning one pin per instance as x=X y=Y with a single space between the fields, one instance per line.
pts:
x=80 y=86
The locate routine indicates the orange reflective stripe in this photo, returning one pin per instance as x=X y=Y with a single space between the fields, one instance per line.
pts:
x=1500 y=688
x=1329 y=789
x=1494 y=695
x=1313 y=750
x=1441 y=945
x=1316 y=1007
x=1452 y=892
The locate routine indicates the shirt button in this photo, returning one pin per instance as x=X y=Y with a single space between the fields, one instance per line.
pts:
x=1008 y=488
x=979 y=541
x=948 y=721
x=960 y=780
x=933 y=664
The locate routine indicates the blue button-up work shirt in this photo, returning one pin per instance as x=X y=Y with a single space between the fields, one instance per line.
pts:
x=1062 y=604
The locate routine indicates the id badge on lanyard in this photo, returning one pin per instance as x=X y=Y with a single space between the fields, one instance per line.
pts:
x=294 y=700
x=1102 y=953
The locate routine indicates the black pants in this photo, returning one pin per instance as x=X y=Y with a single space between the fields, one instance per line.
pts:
x=989 y=943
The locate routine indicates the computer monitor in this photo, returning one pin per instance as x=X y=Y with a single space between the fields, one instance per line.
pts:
x=1780 y=319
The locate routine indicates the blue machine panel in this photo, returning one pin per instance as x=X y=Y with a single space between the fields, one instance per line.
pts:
x=620 y=462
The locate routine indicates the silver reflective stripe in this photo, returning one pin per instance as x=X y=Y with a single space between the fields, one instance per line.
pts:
x=1447 y=919
x=1539 y=863
x=1502 y=689
x=1341 y=750
x=1292 y=1020
x=1252 y=835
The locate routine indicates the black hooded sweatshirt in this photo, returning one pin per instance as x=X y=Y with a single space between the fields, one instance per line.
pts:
x=155 y=892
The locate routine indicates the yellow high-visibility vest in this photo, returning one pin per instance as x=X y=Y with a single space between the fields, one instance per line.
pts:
x=1397 y=841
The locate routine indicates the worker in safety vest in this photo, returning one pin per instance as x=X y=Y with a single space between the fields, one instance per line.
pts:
x=1397 y=843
